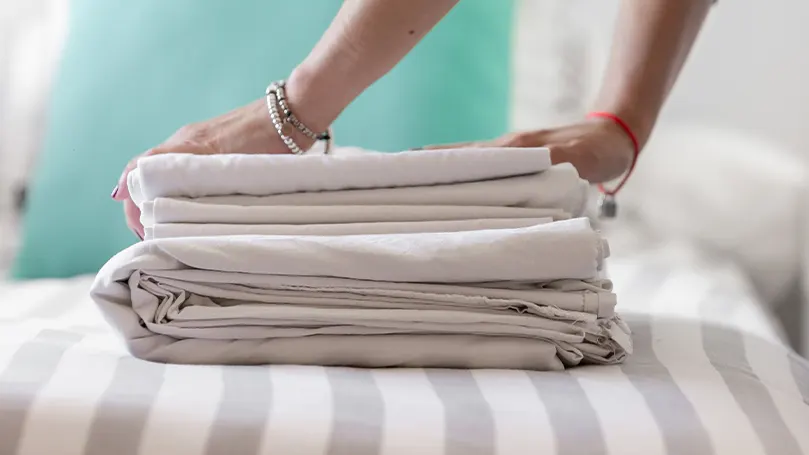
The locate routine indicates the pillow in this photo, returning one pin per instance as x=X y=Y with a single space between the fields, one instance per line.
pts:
x=733 y=194
x=133 y=72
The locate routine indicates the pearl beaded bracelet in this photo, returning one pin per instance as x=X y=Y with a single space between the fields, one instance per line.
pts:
x=276 y=97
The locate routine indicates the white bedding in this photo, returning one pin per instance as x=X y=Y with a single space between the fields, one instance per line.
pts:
x=360 y=288
x=67 y=386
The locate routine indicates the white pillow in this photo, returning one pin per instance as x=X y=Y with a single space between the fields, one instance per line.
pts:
x=728 y=191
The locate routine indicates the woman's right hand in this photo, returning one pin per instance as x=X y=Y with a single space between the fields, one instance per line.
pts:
x=247 y=129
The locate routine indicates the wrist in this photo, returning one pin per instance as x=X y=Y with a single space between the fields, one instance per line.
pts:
x=320 y=89
x=638 y=120
x=638 y=112
x=308 y=99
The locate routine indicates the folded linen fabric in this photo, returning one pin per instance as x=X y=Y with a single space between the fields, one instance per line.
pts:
x=559 y=187
x=173 y=210
x=500 y=298
x=356 y=188
x=197 y=176
x=459 y=258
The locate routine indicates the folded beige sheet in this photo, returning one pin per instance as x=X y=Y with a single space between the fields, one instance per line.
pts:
x=240 y=299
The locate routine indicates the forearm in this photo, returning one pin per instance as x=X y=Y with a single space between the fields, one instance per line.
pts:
x=651 y=42
x=366 y=40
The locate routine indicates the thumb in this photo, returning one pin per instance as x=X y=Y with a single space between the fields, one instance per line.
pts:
x=587 y=165
x=572 y=155
x=560 y=154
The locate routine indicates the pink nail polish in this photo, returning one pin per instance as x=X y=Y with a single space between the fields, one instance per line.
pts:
x=114 y=192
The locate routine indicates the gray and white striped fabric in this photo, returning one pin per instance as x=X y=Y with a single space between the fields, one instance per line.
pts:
x=709 y=376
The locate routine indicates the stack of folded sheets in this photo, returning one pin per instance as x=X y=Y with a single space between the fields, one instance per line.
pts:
x=469 y=258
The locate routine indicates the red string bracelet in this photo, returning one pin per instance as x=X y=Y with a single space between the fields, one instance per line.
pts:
x=608 y=206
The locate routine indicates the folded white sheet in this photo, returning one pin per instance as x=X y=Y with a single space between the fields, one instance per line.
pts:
x=457 y=258
x=177 y=194
x=198 y=176
x=419 y=297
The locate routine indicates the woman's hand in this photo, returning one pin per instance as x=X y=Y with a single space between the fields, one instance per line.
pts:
x=364 y=41
x=247 y=129
x=598 y=148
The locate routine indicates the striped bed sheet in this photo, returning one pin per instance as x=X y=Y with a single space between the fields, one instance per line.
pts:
x=710 y=375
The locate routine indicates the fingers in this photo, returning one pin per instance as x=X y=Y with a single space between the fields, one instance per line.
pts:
x=132 y=214
x=595 y=155
x=456 y=145
x=563 y=148
x=121 y=190
x=535 y=138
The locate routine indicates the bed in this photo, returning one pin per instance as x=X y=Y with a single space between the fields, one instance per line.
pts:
x=710 y=374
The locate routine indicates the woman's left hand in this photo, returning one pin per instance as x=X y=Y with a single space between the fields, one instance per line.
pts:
x=598 y=148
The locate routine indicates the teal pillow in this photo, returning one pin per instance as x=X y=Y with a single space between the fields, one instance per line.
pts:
x=132 y=72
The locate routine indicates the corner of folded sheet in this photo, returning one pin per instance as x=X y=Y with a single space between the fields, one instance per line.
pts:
x=621 y=334
x=133 y=184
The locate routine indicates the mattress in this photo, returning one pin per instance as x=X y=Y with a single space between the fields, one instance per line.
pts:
x=710 y=375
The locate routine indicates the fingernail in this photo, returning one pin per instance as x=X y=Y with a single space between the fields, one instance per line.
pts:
x=137 y=235
x=114 y=192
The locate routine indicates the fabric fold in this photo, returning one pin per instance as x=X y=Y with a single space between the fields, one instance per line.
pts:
x=171 y=230
x=175 y=210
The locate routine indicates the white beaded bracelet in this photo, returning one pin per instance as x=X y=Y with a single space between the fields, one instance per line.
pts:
x=276 y=97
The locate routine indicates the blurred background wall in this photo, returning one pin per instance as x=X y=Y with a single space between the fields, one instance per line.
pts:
x=747 y=72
